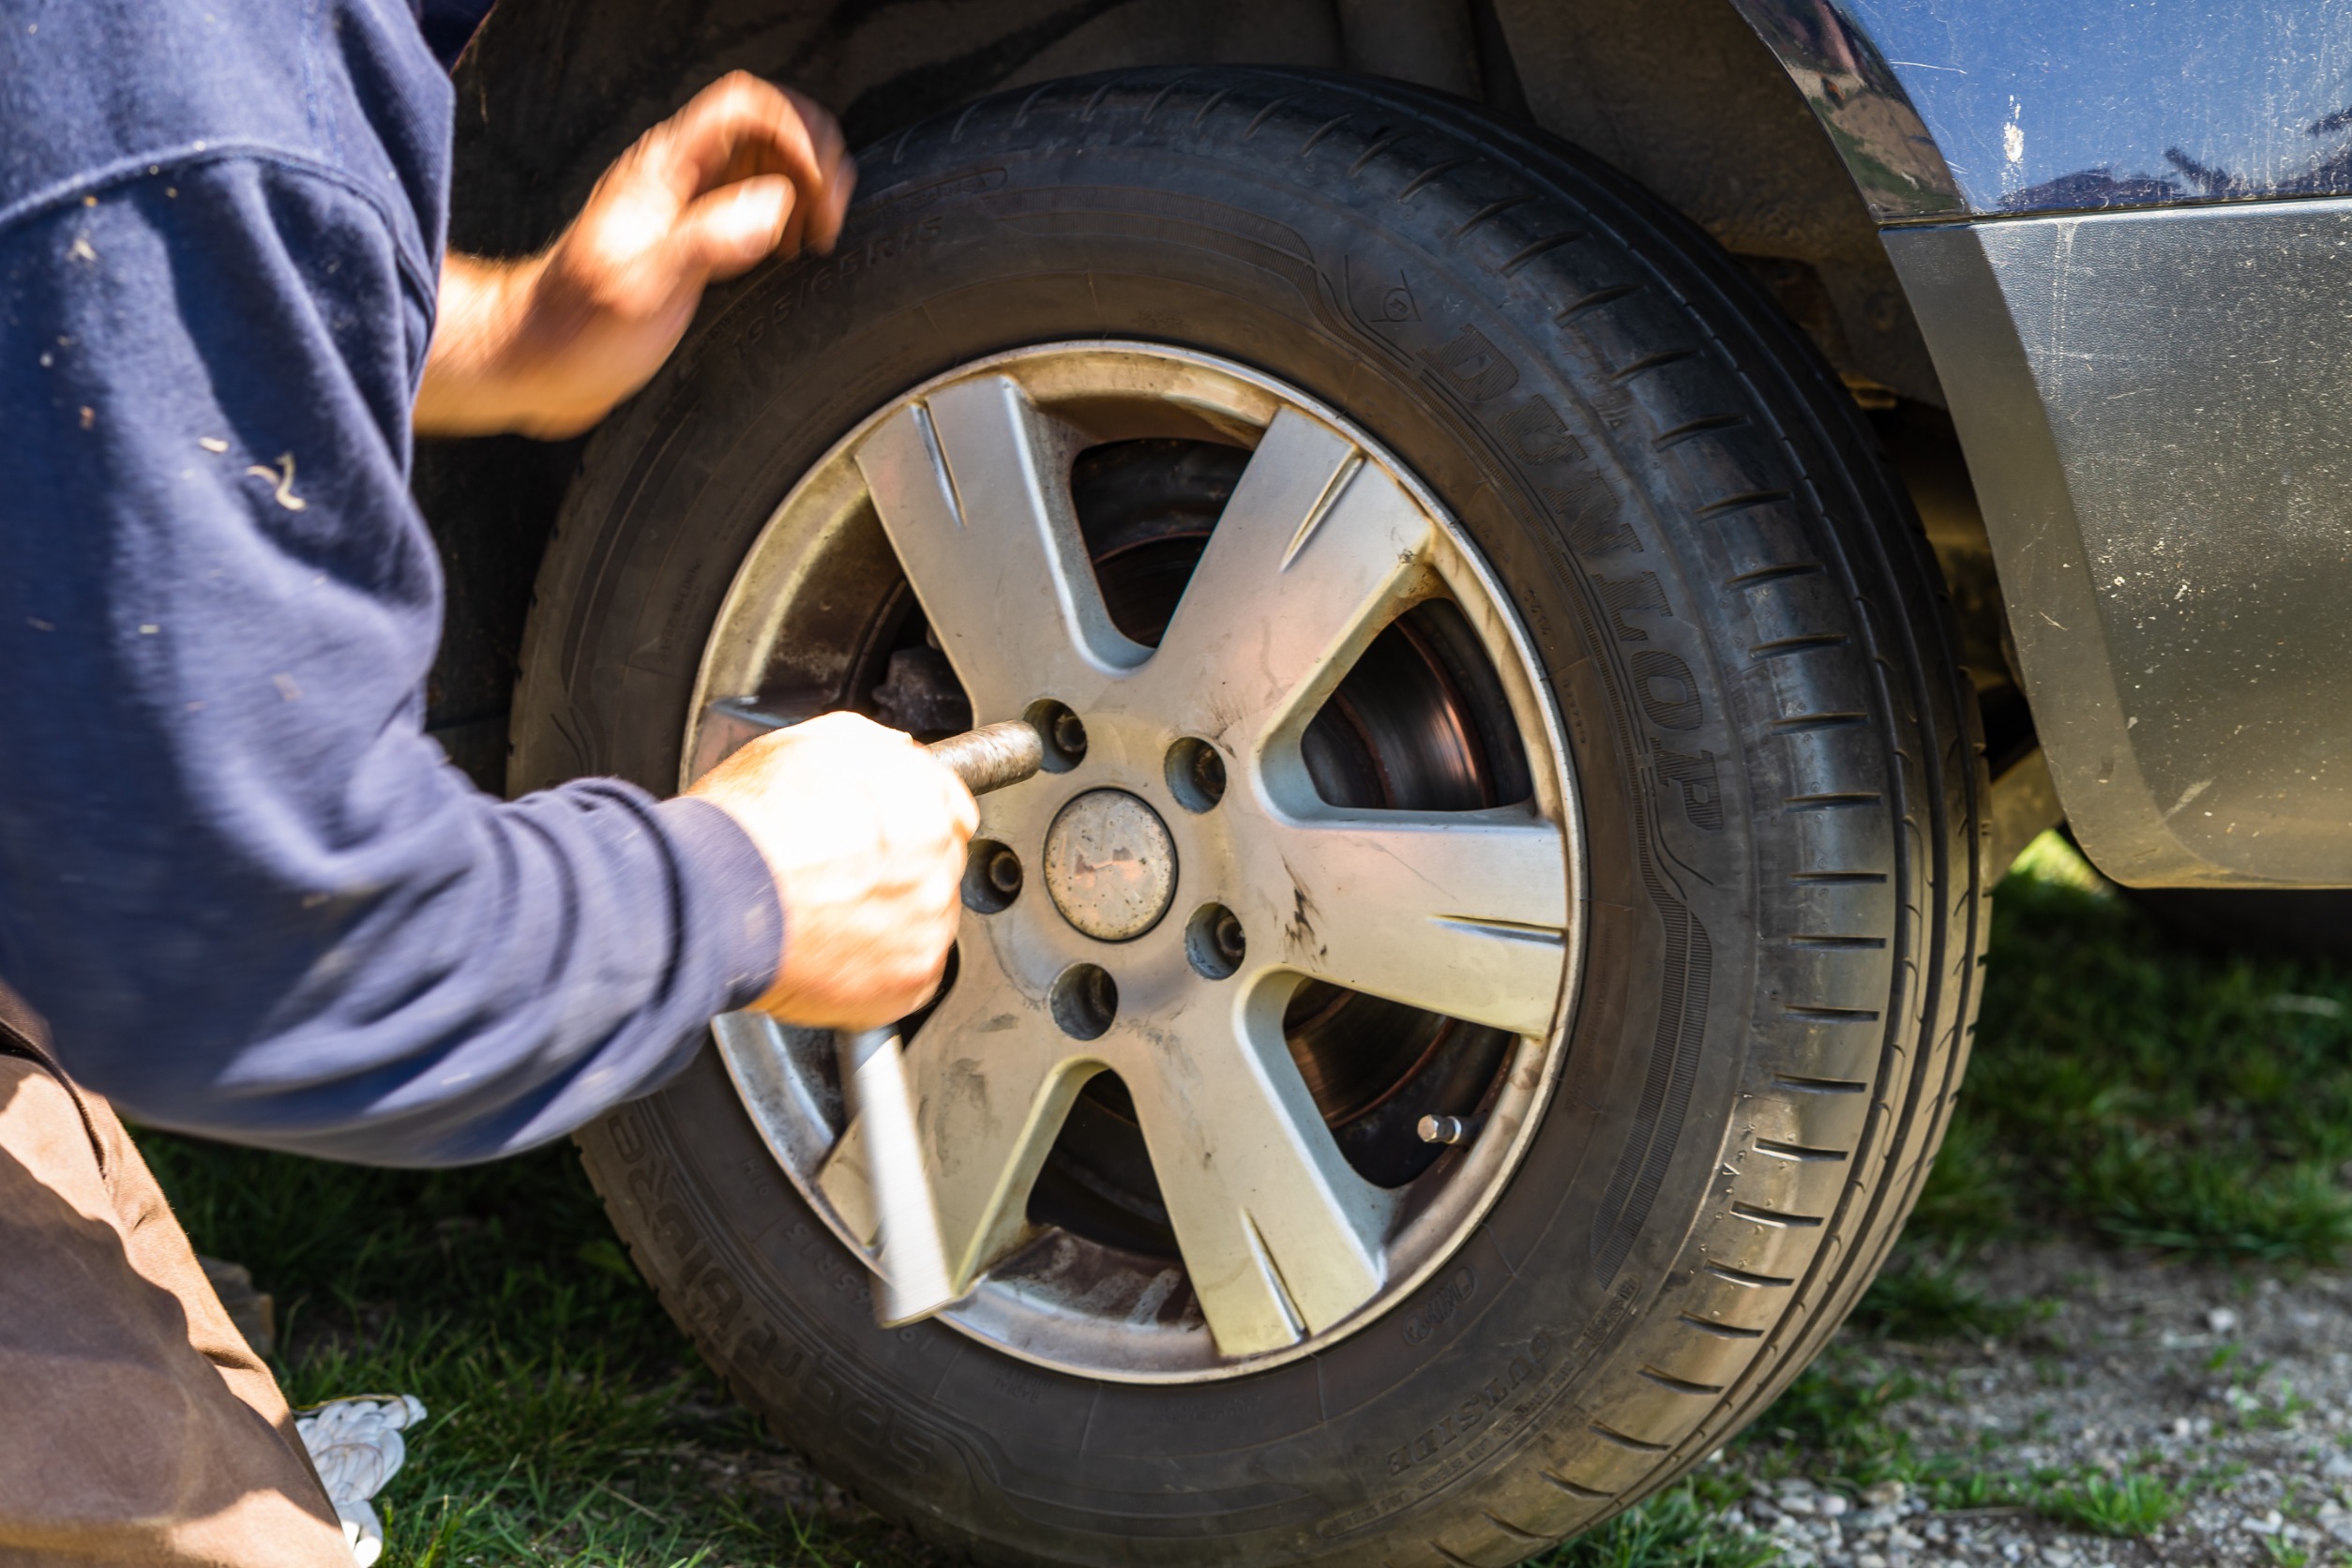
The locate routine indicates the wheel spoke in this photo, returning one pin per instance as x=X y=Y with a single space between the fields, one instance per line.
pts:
x=1280 y=1237
x=973 y=486
x=1464 y=913
x=993 y=1079
x=1323 y=542
x=1314 y=553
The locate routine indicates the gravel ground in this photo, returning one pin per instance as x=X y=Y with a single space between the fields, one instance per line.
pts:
x=2232 y=1389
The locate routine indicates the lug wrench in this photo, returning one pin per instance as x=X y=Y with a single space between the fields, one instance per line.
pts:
x=913 y=1277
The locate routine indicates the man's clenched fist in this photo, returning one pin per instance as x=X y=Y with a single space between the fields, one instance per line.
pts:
x=865 y=831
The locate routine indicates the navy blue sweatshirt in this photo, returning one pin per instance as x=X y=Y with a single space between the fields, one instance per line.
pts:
x=251 y=896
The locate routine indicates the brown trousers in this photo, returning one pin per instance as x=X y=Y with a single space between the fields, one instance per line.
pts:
x=136 y=1427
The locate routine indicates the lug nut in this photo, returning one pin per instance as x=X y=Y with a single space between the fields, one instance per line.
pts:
x=1196 y=775
x=1448 y=1129
x=1063 y=733
x=992 y=876
x=1084 y=1002
x=1215 y=941
x=1229 y=935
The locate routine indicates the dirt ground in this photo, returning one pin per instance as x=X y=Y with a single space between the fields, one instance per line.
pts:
x=2231 y=1388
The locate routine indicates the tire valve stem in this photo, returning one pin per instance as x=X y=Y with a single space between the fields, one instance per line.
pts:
x=1449 y=1129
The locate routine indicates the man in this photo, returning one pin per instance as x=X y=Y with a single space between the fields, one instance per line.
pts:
x=243 y=890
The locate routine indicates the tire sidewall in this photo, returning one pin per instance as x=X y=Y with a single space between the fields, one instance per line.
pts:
x=949 y=258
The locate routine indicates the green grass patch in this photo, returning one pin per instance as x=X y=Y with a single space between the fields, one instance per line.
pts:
x=1831 y=1426
x=2130 y=1085
x=1834 y=1426
x=2124 y=1506
x=1925 y=1295
x=2130 y=1505
x=570 y=1422
x=1680 y=1528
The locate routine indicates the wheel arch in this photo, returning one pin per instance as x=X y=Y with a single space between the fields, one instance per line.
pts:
x=1685 y=95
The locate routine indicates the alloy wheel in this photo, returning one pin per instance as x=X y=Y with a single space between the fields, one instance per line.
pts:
x=1257 y=992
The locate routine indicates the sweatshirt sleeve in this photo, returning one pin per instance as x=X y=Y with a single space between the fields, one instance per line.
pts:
x=251 y=897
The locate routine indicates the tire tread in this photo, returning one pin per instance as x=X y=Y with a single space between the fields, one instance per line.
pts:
x=1850 y=675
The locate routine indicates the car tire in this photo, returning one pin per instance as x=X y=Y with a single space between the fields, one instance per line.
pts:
x=1781 y=900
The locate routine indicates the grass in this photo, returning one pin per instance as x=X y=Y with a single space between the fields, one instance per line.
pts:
x=2113 y=1506
x=2124 y=1087
x=570 y=1423
x=1680 y=1528
x=1834 y=1428
x=1925 y=1295
x=2130 y=1085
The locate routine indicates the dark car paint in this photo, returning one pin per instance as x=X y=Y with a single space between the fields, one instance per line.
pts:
x=2102 y=213
x=1950 y=107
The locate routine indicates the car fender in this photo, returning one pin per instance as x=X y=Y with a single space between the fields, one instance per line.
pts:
x=2123 y=233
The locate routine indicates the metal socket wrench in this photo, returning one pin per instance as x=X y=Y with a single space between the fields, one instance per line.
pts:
x=914 y=1278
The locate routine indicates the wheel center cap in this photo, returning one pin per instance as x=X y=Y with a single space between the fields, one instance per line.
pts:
x=1111 y=865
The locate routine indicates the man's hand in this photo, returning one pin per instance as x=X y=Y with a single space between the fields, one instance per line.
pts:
x=864 y=832
x=547 y=346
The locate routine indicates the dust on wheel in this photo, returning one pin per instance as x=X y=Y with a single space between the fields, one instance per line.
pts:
x=1492 y=680
x=1160 y=1152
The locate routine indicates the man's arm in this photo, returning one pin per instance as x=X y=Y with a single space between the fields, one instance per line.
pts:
x=251 y=896
x=546 y=346
x=861 y=831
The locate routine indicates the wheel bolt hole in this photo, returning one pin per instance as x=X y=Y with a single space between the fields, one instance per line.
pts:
x=992 y=876
x=1084 y=1002
x=1064 y=732
x=1196 y=774
x=1215 y=941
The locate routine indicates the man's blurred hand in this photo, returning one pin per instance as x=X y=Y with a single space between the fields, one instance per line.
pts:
x=864 y=832
x=547 y=346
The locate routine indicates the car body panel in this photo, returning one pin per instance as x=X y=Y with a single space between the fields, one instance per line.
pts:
x=2158 y=416
x=2143 y=340
x=1954 y=108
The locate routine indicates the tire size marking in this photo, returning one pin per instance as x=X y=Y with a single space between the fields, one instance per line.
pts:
x=1473 y=1412
x=812 y=282
x=1451 y=1294
x=1473 y=372
x=1466 y=369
